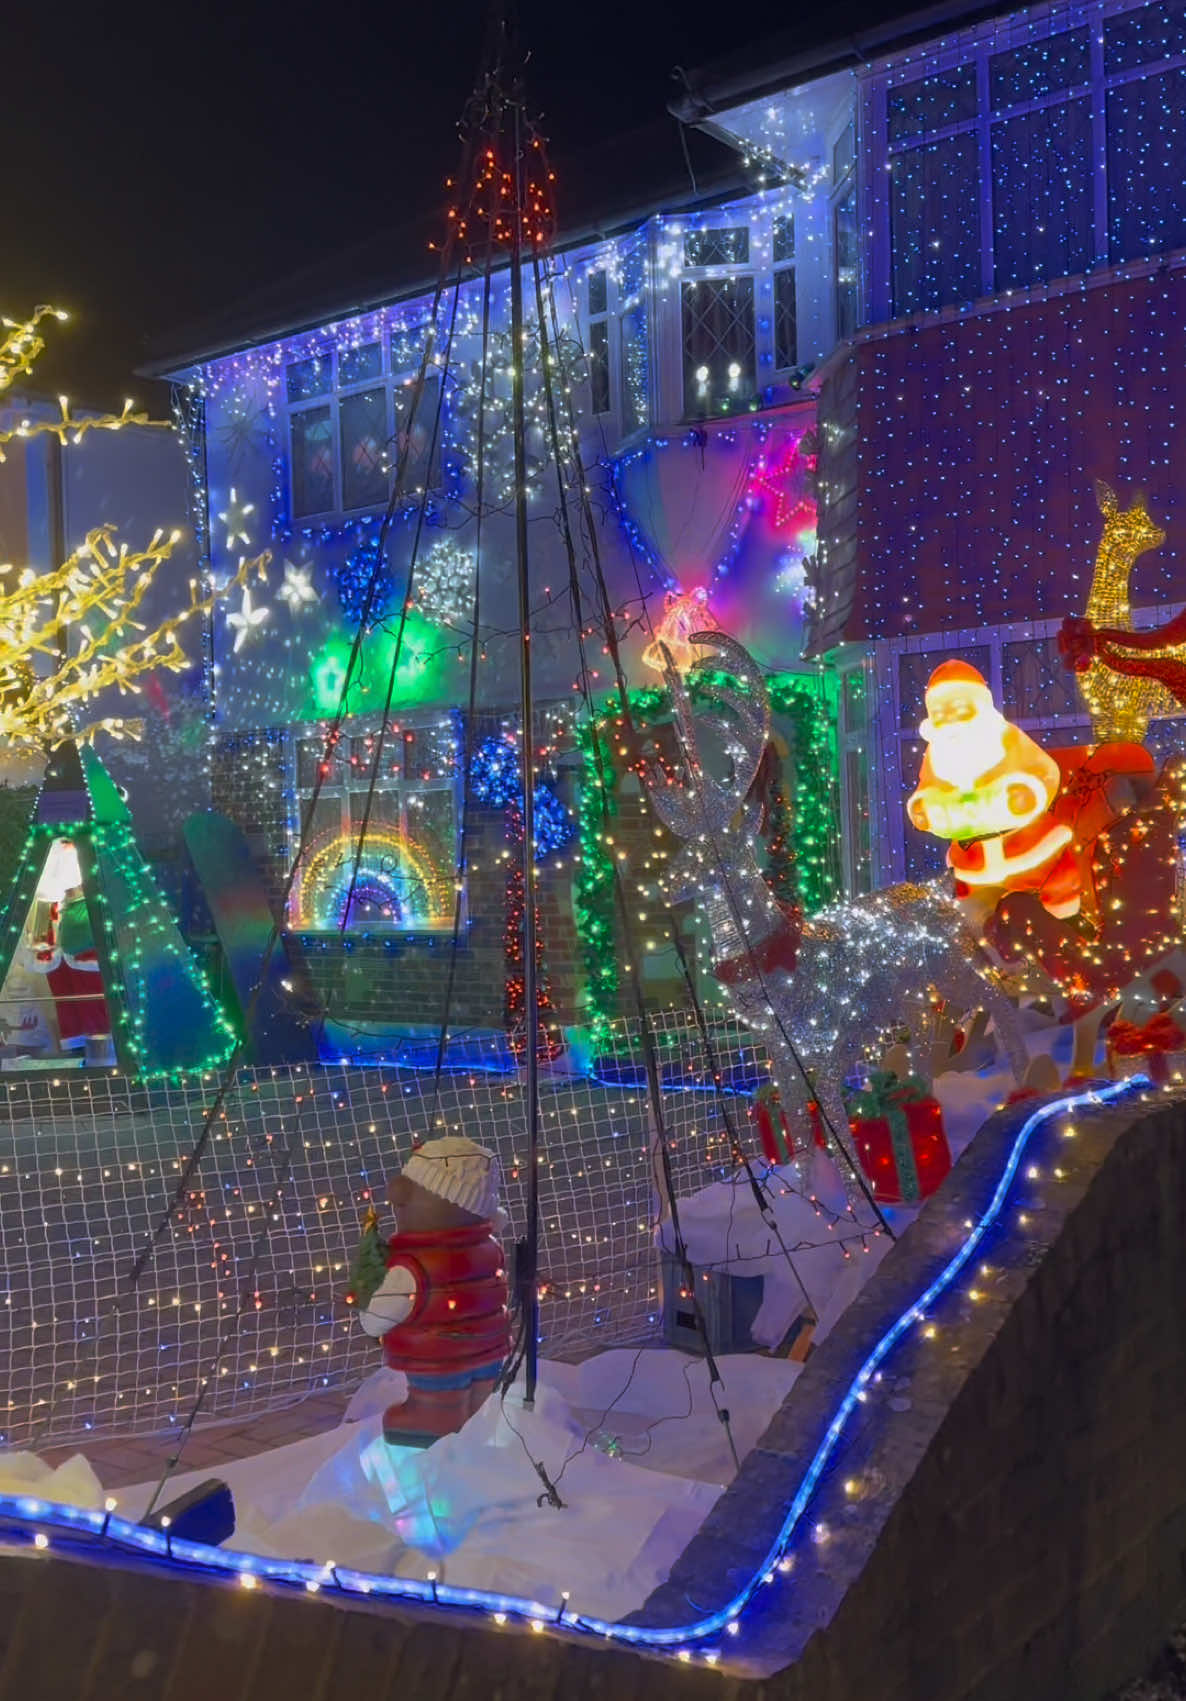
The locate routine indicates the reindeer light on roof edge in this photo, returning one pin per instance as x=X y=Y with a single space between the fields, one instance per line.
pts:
x=821 y=990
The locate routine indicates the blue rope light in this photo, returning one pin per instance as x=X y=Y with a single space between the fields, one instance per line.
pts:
x=24 y=1511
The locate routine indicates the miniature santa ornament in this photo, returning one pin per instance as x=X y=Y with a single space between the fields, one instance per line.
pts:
x=441 y=1308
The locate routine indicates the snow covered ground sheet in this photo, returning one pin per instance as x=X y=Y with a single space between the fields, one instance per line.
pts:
x=630 y=1436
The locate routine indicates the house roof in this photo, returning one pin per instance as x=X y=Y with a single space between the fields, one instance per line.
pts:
x=840 y=38
x=658 y=167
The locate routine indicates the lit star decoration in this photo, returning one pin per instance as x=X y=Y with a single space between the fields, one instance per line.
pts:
x=234 y=517
x=246 y=621
x=297 y=589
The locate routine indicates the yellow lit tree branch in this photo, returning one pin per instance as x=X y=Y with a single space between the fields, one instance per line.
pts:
x=71 y=633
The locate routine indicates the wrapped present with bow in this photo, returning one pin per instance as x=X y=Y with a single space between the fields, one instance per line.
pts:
x=1147 y=1048
x=901 y=1144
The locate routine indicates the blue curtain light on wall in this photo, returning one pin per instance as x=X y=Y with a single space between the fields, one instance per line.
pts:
x=1147 y=166
x=934 y=232
x=1042 y=195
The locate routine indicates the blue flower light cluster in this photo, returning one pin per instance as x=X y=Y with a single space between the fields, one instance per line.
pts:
x=494 y=780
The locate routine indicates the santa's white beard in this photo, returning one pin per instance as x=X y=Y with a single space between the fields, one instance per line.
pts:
x=965 y=750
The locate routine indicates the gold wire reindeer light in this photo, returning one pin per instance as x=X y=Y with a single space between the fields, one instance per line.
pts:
x=1121 y=704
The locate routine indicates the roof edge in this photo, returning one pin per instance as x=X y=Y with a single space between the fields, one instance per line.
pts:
x=723 y=186
x=709 y=92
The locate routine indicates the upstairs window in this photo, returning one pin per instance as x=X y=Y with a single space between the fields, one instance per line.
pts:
x=1039 y=156
x=786 y=317
x=347 y=421
x=598 y=317
x=634 y=348
x=717 y=322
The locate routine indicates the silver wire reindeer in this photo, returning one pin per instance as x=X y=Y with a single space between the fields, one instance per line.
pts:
x=822 y=990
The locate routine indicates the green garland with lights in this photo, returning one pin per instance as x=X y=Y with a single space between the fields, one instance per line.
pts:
x=802 y=831
x=165 y=1022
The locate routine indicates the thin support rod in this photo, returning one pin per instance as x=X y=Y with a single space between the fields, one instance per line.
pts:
x=530 y=1283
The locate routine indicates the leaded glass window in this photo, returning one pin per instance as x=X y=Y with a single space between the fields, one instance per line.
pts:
x=844 y=253
x=1040 y=68
x=718 y=340
x=728 y=247
x=599 y=396
x=786 y=337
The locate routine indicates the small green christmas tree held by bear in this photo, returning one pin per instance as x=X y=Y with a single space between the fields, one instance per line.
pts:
x=440 y=1304
x=370 y=1261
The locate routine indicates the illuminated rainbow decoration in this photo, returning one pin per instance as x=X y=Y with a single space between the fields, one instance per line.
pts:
x=396 y=886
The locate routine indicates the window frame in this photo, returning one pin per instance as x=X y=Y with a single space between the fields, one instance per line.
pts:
x=343 y=792
x=979 y=47
x=393 y=380
x=759 y=269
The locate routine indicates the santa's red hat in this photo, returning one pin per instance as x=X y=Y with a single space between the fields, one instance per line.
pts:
x=959 y=675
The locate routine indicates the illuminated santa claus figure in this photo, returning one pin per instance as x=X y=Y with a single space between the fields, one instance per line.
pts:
x=1019 y=818
x=980 y=774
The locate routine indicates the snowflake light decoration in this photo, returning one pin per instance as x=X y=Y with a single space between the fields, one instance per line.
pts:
x=444 y=582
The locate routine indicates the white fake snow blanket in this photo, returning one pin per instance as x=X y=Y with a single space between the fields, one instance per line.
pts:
x=467 y=1507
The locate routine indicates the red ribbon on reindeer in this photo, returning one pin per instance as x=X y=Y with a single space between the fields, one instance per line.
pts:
x=1155 y=1039
x=1080 y=642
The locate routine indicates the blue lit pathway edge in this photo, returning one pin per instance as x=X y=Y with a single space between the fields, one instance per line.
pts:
x=23 y=1517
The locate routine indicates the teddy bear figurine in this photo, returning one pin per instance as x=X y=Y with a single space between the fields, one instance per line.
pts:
x=441 y=1306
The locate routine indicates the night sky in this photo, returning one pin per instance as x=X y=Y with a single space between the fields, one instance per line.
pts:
x=165 y=161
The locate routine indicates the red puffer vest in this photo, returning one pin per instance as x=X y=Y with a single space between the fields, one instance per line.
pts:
x=458 y=1319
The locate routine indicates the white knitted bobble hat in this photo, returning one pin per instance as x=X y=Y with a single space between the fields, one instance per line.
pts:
x=459 y=1170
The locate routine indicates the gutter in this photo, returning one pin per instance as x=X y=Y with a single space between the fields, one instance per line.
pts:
x=706 y=94
x=600 y=229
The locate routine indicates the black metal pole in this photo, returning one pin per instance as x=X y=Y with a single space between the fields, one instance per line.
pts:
x=527 y=765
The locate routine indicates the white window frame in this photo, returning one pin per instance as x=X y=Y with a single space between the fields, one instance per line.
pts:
x=978 y=47
x=343 y=792
x=394 y=381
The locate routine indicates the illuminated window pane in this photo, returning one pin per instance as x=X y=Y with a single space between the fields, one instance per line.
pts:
x=1042 y=68
x=844 y=253
x=935 y=243
x=407 y=346
x=717 y=247
x=599 y=366
x=844 y=154
x=1036 y=683
x=1042 y=195
x=786 y=342
x=356 y=365
x=783 y=245
x=422 y=432
x=1144 y=35
x=364 y=431
x=312 y=461
x=932 y=103
x=598 y=291
x=634 y=354
x=312 y=377
x=1146 y=180
x=718 y=328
